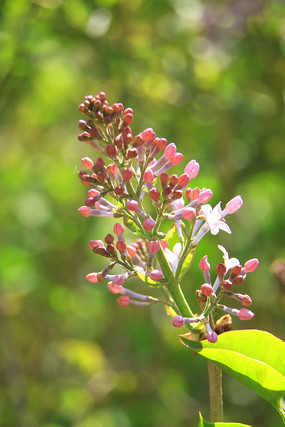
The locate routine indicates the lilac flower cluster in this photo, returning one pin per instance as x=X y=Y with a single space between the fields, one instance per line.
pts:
x=138 y=171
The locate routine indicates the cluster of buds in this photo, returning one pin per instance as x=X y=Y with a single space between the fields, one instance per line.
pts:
x=138 y=171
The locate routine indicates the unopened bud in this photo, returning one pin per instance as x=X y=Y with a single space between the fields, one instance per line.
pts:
x=251 y=265
x=156 y=275
x=192 y=169
x=124 y=301
x=132 y=205
x=118 y=229
x=85 y=211
x=238 y=280
x=127 y=174
x=234 y=205
x=149 y=224
x=204 y=264
x=154 y=194
x=154 y=246
x=121 y=245
x=109 y=238
x=226 y=285
x=207 y=289
x=92 y=277
x=221 y=269
x=245 y=314
x=111 y=150
x=178 y=321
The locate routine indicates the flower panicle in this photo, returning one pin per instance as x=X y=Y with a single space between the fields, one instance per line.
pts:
x=131 y=172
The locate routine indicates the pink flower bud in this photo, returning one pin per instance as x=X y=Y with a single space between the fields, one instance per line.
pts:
x=178 y=321
x=245 y=314
x=92 y=277
x=156 y=275
x=204 y=264
x=131 y=251
x=114 y=168
x=205 y=195
x=148 y=176
x=127 y=174
x=85 y=210
x=206 y=289
x=170 y=151
x=87 y=162
x=189 y=213
x=118 y=280
x=115 y=289
x=212 y=337
x=154 y=246
x=132 y=205
x=93 y=192
x=148 y=134
x=160 y=143
x=118 y=229
x=154 y=194
x=246 y=300
x=93 y=243
x=177 y=158
x=124 y=301
x=121 y=245
x=184 y=180
x=195 y=193
x=234 y=205
x=192 y=169
x=149 y=224
x=251 y=265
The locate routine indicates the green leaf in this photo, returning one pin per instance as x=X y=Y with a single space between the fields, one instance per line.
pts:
x=204 y=423
x=255 y=358
x=171 y=232
x=187 y=263
x=146 y=279
x=130 y=224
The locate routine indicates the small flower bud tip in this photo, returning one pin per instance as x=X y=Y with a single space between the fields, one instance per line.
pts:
x=206 y=289
x=234 y=205
x=87 y=162
x=204 y=264
x=92 y=277
x=251 y=265
x=154 y=246
x=156 y=275
x=170 y=151
x=149 y=224
x=212 y=337
x=178 y=321
x=124 y=301
x=192 y=169
x=118 y=229
x=85 y=211
x=245 y=314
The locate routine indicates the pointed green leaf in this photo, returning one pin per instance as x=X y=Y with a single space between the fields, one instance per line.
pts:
x=255 y=358
x=171 y=232
x=130 y=224
x=204 y=423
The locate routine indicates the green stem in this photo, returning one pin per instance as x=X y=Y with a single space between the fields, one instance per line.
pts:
x=185 y=252
x=173 y=286
x=216 y=392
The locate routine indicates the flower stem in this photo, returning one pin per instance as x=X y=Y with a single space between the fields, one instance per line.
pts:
x=173 y=286
x=216 y=392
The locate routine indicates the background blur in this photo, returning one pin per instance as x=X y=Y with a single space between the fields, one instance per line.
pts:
x=208 y=76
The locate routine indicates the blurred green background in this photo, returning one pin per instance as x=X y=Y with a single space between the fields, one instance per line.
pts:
x=208 y=76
